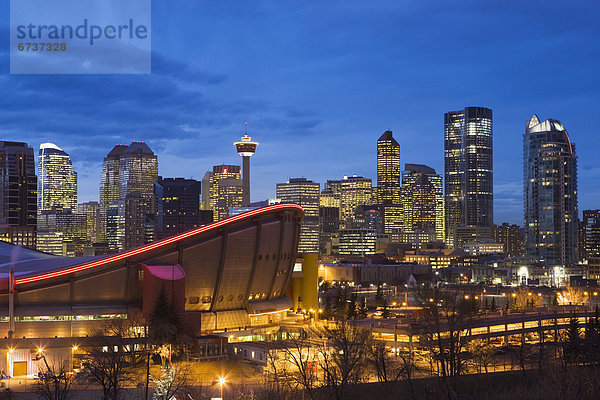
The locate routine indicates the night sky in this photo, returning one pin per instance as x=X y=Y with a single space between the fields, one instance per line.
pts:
x=319 y=81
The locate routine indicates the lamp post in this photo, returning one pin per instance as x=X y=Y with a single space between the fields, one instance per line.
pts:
x=73 y=350
x=222 y=381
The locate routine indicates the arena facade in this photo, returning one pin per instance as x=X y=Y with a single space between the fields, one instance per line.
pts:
x=229 y=275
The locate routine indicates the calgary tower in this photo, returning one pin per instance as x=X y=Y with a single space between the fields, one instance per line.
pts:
x=246 y=148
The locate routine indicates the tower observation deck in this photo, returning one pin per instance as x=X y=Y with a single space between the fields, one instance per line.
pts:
x=246 y=148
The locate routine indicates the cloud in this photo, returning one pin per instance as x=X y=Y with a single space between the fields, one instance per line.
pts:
x=88 y=114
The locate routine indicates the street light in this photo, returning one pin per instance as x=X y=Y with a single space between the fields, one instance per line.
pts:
x=74 y=348
x=222 y=381
x=8 y=362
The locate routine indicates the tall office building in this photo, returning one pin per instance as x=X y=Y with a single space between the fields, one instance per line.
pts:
x=62 y=232
x=388 y=169
x=388 y=181
x=306 y=194
x=91 y=210
x=354 y=191
x=591 y=221
x=591 y=237
x=581 y=253
x=511 y=237
x=331 y=194
x=138 y=173
x=329 y=224
x=422 y=201
x=217 y=198
x=468 y=169
x=230 y=195
x=109 y=185
x=128 y=177
x=57 y=181
x=178 y=205
x=246 y=148
x=18 y=194
x=550 y=192
x=115 y=225
x=59 y=226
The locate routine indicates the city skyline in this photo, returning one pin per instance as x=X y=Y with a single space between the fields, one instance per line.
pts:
x=421 y=219
x=90 y=196
x=324 y=86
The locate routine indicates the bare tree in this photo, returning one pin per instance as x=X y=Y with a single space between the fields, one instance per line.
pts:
x=276 y=385
x=409 y=369
x=343 y=357
x=172 y=381
x=387 y=369
x=392 y=368
x=302 y=355
x=124 y=330
x=108 y=368
x=481 y=351
x=444 y=327
x=55 y=380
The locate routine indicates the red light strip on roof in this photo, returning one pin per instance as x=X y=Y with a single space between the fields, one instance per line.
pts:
x=155 y=245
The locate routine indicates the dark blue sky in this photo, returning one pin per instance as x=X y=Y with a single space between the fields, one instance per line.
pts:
x=318 y=82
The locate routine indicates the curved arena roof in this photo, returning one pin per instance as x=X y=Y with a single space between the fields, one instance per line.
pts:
x=33 y=266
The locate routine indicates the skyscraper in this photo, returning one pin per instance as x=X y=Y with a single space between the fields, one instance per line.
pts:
x=178 y=208
x=591 y=220
x=129 y=174
x=468 y=169
x=388 y=181
x=354 y=191
x=115 y=225
x=306 y=194
x=219 y=199
x=422 y=201
x=581 y=253
x=109 y=185
x=388 y=169
x=331 y=194
x=230 y=194
x=329 y=224
x=91 y=210
x=591 y=242
x=57 y=181
x=58 y=223
x=246 y=148
x=138 y=173
x=18 y=194
x=550 y=192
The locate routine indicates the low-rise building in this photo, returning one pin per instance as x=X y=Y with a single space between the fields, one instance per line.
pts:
x=482 y=247
x=358 y=273
x=437 y=258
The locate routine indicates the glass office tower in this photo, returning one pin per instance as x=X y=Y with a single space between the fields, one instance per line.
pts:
x=550 y=192
x=388 y=181
x=468 y=168
x=422 y=200
x=306 y=194
x=57 y=182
